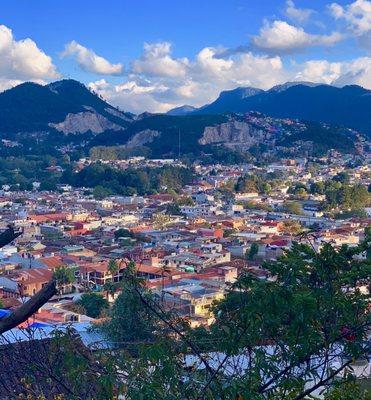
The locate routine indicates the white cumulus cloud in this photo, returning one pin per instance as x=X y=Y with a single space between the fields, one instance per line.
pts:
x=299 y=15
x=319 y=71
x=132 y=95
x=357 y=18
x=357 y=15
x=22 y=60
x=196 y=81
x=280 y=37
x=209 y=73
x=354 y=72
x=157 y=60
x=89 y=61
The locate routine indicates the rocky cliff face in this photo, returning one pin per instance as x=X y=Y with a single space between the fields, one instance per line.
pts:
x=83 y=122
x=143 y=137
x=234 y=134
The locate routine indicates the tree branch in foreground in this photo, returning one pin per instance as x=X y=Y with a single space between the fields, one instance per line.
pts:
x=176 y=330
x=9 y=235
x=29 y=308
x=322 y=382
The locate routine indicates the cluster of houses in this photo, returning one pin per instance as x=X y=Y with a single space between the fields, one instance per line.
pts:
x=189 y=259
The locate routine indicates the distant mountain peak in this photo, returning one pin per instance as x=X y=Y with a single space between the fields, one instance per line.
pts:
x=181 y=110
x=284 y=86
x=241 y=92
x=348 y=106
x=25 y=86
x=66 y=84
x=66 y=81
x=30 y=107
x=228 y=99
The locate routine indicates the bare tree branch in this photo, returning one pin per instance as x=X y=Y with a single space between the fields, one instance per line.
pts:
x=263 y=388
x=322 y=382
x=9 y=235
x=175 y=329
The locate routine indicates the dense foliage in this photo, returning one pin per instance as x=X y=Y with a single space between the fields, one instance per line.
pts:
x=256 y=184
x=130 y=320
x=305 y=317
x=292 y=207
x=271 y=339
x=340 y=194
x=323 y=137
x=98 y=153
x=92 y=304
x=141 y=181
x=21 y=172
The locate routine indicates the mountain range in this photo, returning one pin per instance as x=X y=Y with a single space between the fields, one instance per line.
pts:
x=349 y=106
x=66 y=112
x=66 y=106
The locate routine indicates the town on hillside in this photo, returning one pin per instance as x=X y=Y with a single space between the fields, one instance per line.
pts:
x=189 y=245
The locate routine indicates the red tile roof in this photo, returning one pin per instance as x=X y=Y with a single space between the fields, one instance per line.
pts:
x=52 y=262
x=34 y=275
x=39 y=218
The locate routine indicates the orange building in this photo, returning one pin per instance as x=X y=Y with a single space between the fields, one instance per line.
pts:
x=32 y=280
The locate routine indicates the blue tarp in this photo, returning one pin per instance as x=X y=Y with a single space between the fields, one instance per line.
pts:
x=4 y=313
x=38 y=325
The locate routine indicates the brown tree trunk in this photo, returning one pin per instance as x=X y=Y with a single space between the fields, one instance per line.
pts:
x=29 y=308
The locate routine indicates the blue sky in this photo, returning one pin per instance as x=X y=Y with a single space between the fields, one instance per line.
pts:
x=193 y=49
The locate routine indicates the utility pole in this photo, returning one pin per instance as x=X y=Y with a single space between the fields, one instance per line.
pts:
x=178 y=144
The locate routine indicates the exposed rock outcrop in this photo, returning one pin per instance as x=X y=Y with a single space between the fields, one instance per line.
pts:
x=83 y=122
x=142 y=137
x=234 y=134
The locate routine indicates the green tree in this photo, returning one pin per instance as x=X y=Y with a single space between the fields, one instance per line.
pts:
x=110 y=288
x=342 y=177
x=301 y=193
x=104 y=153
x=293 y=207
x=93 y=304
x=271 y=339
x=185 y=201
x=361 y=197
x=100 y=192
x=49 y=185
x=247 y=184
x=346 y=197
x=297 y=188
x=64 y=275
x=349 y=390
x=368 y=235
x=253 y=251
x=173 y=209
x=317 y=188
x=292 y=226
x=113 y=267
x=311 y=309
x=122 y=232
x=229 y=232
x=130 y=319
x=160 y=220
